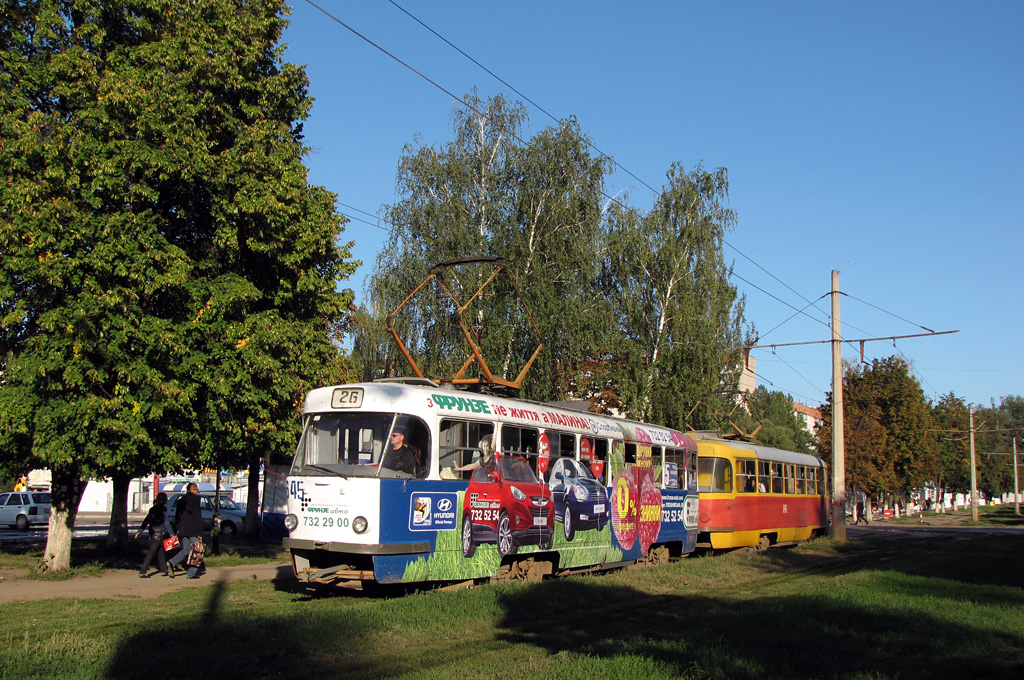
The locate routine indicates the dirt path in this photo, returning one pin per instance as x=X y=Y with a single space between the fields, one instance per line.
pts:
x=125 y=583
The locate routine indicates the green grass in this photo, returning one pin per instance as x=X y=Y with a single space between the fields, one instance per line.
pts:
x=871 y=608
x=989 y=515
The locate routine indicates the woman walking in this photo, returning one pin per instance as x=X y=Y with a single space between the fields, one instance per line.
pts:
x=159 y=529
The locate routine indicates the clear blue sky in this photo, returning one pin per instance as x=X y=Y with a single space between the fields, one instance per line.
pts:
x=884 y=140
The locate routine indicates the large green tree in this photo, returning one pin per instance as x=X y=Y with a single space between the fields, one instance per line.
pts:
x=953 y=423
x=677 y=315
x=888 y=427
x=168 y=283
x=491 y=192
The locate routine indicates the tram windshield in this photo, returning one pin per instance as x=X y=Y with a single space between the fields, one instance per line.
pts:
x=361 y=445
x=714 y=475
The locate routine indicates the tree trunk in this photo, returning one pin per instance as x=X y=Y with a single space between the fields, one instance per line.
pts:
x=252 y=504
x=117 y=534
x=66 y=491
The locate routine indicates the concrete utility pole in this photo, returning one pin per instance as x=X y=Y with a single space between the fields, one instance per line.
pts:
x=974 y=473
x=1016 y=484
x=838 y=441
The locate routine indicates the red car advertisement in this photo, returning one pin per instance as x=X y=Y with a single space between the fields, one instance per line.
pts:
x=507 y=505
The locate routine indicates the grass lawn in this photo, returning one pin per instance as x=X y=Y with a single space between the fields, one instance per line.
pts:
x=872 y=608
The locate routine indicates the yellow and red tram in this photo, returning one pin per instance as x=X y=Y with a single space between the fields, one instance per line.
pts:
x=756 y=496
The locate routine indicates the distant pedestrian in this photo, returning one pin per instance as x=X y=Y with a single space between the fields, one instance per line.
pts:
x=159 y=529
x=188 y=518
x=860 y=513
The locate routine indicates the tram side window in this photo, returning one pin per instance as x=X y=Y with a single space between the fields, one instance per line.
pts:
x=776 y=477
x=801 y=481
x=566 y=445
x=601 y=454
x=691 y=470
x=746 y=476
x=673 y=474
x=520 y=440
x=562 y=444
x=790 y=479
x=764 y=476
x=463 y=446
x=714 y=475
x=630 y=457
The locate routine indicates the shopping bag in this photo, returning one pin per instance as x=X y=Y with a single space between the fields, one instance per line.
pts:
x=171 y=543
x=195 y=555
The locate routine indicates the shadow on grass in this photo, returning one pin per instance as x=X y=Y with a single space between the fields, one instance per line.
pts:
x=897 y=617
x=1004 y=515
x=962 y=619
x=300 y=643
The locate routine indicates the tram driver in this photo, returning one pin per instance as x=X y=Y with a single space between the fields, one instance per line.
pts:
x=404 y=456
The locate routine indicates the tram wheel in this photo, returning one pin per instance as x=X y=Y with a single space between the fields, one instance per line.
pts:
x=659 y=555
x=762 y=544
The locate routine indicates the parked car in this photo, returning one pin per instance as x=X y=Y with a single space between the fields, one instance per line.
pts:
x=21 y=509
x=232 y=515
x=581 y=502
x=506 y=504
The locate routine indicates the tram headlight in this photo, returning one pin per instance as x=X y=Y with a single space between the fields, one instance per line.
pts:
x=360 y=525
x=291 y=522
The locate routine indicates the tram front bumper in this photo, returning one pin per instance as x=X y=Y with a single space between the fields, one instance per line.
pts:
x=328 y=561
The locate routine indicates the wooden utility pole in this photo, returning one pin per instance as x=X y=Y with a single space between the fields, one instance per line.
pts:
x=838 y=442
x=974 y=473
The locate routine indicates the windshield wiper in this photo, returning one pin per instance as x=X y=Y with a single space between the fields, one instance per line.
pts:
x=327 y=470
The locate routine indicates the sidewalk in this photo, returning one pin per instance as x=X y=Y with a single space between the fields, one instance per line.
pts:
x=125 y=583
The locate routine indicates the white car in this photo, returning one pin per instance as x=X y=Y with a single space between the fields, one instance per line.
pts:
x=21 y=509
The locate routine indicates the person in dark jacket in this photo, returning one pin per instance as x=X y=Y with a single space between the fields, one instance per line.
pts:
x=188 y=517
x=159 y=529
x=403 y=456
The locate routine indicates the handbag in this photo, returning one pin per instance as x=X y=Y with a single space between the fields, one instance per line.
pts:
x=195 y=555
x=171 y=543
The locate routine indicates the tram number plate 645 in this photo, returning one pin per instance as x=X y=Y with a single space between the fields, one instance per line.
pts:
x=347 y=397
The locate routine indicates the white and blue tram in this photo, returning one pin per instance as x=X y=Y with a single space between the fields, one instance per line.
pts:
x=406 y=481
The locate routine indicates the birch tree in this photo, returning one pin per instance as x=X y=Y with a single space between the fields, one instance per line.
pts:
x=678 y=314
x=492 y=192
